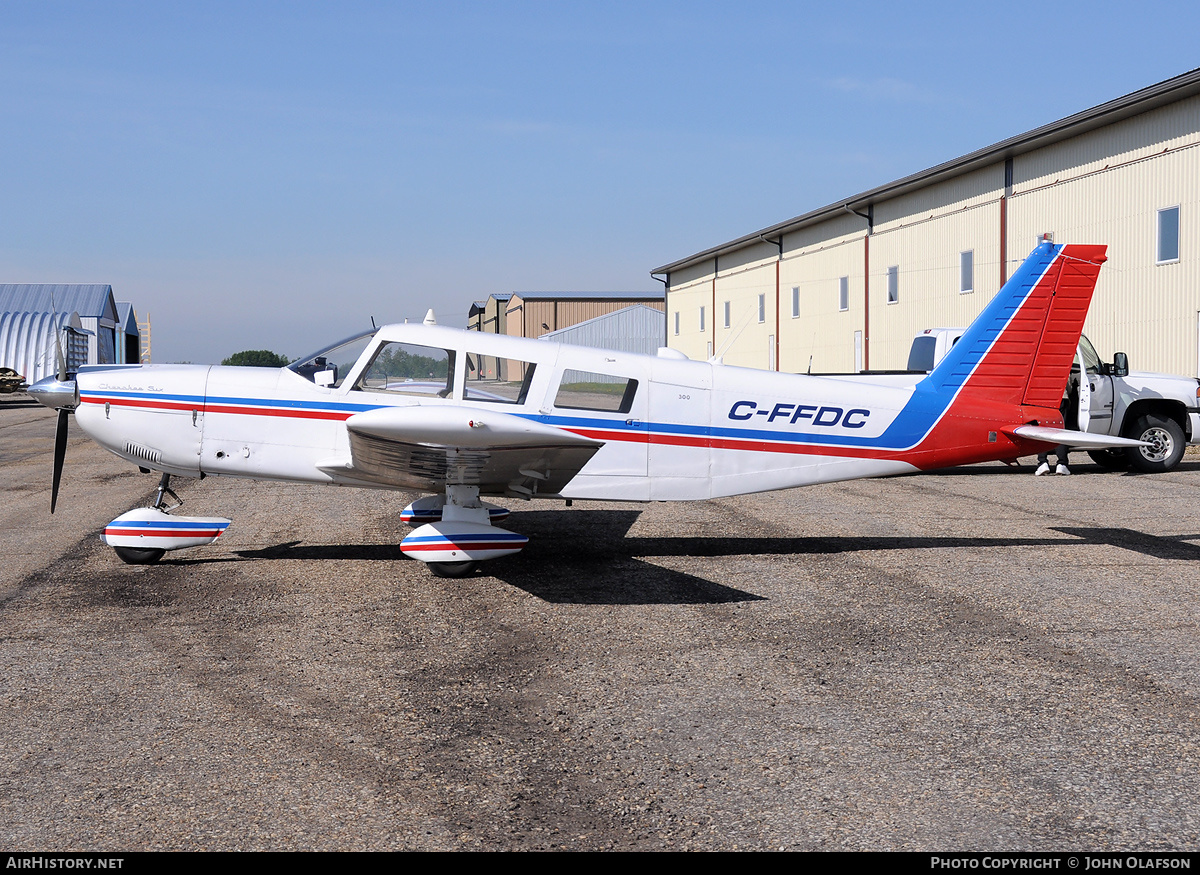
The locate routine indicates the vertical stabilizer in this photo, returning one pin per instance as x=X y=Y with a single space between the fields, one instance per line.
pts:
x=1019 y=349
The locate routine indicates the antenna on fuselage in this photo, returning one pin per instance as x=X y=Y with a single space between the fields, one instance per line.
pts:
x=430 y=319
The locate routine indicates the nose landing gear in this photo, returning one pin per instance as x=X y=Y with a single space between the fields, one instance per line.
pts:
x=143 y=536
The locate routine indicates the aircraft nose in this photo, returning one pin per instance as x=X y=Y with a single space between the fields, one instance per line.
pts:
x=55 y=394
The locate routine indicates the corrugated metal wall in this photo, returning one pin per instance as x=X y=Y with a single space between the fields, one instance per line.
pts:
x=636 y=328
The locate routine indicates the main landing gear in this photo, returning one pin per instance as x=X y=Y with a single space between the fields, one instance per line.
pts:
x=460 y=534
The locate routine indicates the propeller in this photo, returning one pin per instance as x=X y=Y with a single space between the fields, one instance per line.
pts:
x=60 y=394
x=60 y=427
x=60 y=454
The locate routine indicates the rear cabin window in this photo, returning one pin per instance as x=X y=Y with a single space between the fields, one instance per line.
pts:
x=586 y=390
x=409 y=369
x=509 y=386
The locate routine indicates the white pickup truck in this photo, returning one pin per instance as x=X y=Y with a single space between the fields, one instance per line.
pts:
x=1161 y=409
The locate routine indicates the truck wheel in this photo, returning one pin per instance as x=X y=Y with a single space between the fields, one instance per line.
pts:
x=1166 y=443
x=1113 y=460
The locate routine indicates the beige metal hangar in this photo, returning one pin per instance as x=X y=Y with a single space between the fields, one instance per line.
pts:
x=532 y=314
x=847 y=286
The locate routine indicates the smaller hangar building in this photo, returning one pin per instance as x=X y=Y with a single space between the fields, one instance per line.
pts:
x=95 y=329
x=537 y=314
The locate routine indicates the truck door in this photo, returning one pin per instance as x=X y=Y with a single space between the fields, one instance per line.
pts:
x=1097 y=388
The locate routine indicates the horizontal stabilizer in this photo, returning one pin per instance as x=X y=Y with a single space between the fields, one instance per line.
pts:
x=1082 y=439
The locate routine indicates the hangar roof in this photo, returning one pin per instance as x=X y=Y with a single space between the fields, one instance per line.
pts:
x=1152 y=97
x=86 y=299
x=588 y=296
x=127 y=319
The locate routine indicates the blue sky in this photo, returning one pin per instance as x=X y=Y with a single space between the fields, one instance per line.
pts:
x=275 y=174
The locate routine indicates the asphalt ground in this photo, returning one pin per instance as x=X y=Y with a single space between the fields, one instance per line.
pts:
x=970 y=660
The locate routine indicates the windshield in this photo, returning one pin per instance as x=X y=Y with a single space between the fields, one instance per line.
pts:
x=331 y=365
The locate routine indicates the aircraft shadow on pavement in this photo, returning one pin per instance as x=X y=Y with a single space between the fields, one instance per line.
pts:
x=326 y=552
x=588 y=556
x=1079 y=465
x=16 y=402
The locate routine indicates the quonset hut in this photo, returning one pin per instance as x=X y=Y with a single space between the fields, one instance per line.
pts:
x=90 y=321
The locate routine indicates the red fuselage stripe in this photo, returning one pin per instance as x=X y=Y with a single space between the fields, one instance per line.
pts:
x=467 y=545
x=166 y=533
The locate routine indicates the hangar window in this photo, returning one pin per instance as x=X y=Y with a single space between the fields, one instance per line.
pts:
x=762 y=308
x=701 y=318
x=795 y=302
x=844 y=293
x=726 y=314
x=966 y=271
x=511 y=391
x=409 y=369
x=893 y=284
x=676 y=323
x=1168 y=235
x=586 y=390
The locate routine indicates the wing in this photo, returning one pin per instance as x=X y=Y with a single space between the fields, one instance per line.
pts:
x=429 y=447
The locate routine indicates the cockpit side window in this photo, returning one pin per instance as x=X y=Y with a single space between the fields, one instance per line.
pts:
x=409 y=369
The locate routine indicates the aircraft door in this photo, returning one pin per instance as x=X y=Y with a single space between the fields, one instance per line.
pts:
x=612 y=408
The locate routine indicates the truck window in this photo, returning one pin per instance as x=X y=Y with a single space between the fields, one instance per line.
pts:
x=920 y=357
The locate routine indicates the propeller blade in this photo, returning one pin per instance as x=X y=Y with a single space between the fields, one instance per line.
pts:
x=60 y=453
x=58 y=355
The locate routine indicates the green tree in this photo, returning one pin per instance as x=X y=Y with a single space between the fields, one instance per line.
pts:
x=256 y=358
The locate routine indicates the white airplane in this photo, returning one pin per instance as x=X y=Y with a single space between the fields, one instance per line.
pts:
x=403 y=407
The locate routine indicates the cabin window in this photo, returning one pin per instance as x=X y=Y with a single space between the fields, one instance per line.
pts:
x=587 y=390
x=409 y=369
x=893 y=284
x=1168 y=235
x=966 y=271
x=512 y=390
x=844 y=293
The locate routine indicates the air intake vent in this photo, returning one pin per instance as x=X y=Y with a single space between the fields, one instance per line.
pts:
x=137 y=451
